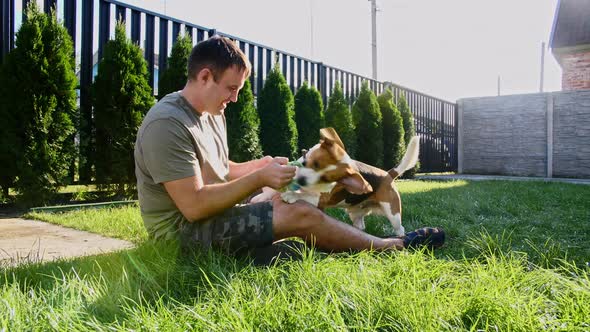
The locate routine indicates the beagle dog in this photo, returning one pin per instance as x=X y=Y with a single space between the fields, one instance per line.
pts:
x=330 y=178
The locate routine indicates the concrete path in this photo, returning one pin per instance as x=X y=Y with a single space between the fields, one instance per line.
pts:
x=498 y=177
x=24 y=241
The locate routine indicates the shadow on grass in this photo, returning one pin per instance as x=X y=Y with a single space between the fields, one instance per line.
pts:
x=146 y=275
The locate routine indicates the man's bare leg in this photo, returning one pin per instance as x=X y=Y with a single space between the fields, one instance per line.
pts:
x=309 y=223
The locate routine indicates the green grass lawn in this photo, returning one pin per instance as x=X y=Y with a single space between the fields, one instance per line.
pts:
x=516 y=259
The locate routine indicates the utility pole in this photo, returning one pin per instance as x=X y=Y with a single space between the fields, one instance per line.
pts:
x=311 y=23
x=542 y=66
x=374 y=37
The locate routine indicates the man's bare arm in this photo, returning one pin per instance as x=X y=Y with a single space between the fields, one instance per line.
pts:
x=196 y=201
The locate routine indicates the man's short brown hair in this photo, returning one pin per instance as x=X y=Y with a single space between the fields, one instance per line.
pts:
x=218 y=54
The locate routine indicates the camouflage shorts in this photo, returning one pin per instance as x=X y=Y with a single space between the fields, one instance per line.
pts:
x=240 y=227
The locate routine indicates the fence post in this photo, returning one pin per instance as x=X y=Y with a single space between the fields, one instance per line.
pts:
x=549 y=135
x=443 y=154
x=135 y=27
x=284 y=66
x=104 y=20
x=456 y=136
x=7 y=27
x=162 y=48
x=313 y=75
x=260 y=75
x=24 y=13
x=200 y=35
x=48 y=5
x=149 y=47
x=292 y=74
x=322 y=81
x=175 y=32
x=188 y=31
x=254 y=72
x=86 y=146
x=269 y=61
x=70 y=19
x=120 y=14
x=459 y=132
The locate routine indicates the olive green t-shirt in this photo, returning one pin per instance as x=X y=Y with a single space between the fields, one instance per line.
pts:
x=176 y=142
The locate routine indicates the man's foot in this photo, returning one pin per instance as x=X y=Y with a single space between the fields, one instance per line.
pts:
x=432 y=237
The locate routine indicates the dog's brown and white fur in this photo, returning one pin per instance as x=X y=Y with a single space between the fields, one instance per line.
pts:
x=330 y=178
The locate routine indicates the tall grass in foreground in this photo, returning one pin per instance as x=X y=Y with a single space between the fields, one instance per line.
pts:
x=150 y=288
x=515 y=261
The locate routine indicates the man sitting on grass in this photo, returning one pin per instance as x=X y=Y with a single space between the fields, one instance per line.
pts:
x=189 y=190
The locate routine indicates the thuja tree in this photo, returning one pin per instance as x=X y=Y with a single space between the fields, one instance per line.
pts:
x=121 y=97
x=278 y=132
x=393 y=130
x=174 y=77
x=368 y=129
x=339 y=117
x=409 y=130
x=243 y=127
x=38 y=109
x=309 y=115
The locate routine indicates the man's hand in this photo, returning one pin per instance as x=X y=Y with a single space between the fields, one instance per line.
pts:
x=266 y=160
x=276 y=174
x=237 y=170
x=260 y=163
x=281 y=160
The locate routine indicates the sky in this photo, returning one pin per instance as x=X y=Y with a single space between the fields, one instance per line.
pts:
x=448 y=49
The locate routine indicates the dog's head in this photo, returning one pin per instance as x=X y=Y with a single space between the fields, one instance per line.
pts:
x=328 y=163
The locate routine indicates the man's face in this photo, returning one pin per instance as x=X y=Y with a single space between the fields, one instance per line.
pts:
x=225 y=90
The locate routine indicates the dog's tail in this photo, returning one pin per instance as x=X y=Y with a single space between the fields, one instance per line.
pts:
x=409 y=160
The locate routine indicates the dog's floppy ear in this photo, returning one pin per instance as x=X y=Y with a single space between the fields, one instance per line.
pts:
x=329 y=135
x=350 y=178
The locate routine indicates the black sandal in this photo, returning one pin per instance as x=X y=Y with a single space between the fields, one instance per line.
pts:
x=432 y=237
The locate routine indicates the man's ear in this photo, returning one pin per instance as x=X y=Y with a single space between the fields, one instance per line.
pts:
x=330 y=136
x=350 y=178
x=205 y=75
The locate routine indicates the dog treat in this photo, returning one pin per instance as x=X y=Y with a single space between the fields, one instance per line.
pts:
x=293 y=185
x=295 y=163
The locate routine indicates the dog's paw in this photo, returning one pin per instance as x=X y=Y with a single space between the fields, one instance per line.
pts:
x=266 y=195
x=289 y=197
x=399 y=231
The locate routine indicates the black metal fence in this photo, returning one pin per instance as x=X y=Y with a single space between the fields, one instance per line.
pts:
x=435 y=119
x=436 y=124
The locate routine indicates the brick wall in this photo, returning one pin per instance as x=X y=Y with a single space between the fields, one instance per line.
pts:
x=542 y=134
x=575 y=70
